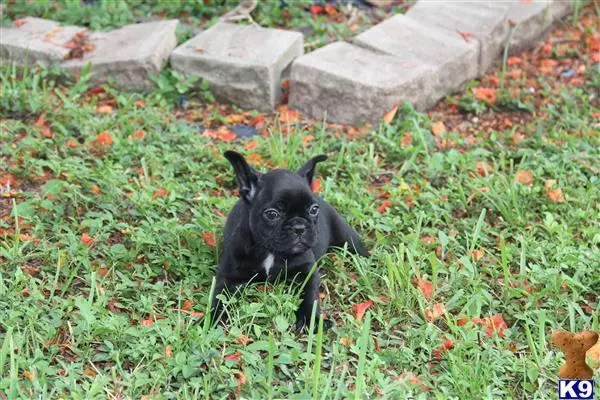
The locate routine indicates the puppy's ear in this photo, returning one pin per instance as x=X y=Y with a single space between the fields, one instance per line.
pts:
x=307 y=171
x=247 y=177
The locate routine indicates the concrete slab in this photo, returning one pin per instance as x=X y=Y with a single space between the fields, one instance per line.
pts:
x=483 y=20
x=242 y=63
x=35 y=40
x=350 y=84
x=532 y=19
x=128 y=55
x=454 y=61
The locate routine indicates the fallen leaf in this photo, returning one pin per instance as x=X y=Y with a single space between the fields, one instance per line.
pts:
x=86 y=239
x=139 y=135
x=345 y=341
x=244 y=340
x=222 y=134
x=90 y=372
x=427 y=239
x=437 y=311
x=241 y=380
x=477 y=254
x=187 y=305
x=254 y=158
x=196 y=314
x=361 y=308
x=426 y=288
x=514 y=60
x=376 y=343
x=438 y=351
x=95 y=189
x=412 y=378
x=31 y=271
x=384 y=206
x=495 y=324
x=288 y=116
x=210 y=239
x=524 y=176
x=104 y=109
x=251 y=145
x=483 y=168
x=437 y=128
x=104 y=138
x=389 y=116
x=46 y=132
x=486 y=95
x=8 y=180
x=96 y=90
x=237 y=356
x=406 y=140
x=160 y=193
x=316 y=185
x=168 y=351
x=316 y=9
x=555 y=195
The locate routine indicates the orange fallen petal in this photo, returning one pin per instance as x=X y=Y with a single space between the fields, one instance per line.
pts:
x=160 y=193
x=525 y=177
x=210 y=239
x=434 y=313
x=105 y=109
x=437 y=128
x=361 y=308
x=316 y=185
x=104 y=138
x=86 y=239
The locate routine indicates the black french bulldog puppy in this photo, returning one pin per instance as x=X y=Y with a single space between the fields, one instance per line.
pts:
x=279 y=228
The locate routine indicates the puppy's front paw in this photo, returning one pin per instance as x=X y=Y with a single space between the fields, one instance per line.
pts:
x=302 y=324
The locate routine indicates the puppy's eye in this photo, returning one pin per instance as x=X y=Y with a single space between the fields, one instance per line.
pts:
x=271 y=214
x=314 y=210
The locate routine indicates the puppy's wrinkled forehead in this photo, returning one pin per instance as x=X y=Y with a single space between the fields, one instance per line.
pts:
x=287 y=189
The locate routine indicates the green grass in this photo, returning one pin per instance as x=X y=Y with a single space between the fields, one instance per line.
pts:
x=73 y=315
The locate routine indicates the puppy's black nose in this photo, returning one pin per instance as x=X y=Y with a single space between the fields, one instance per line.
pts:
x=299 y=229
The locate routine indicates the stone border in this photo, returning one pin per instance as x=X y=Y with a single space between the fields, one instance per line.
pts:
x=419 y=57
x=128 y=55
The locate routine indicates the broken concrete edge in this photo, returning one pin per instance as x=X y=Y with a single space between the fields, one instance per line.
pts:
x=306 y=100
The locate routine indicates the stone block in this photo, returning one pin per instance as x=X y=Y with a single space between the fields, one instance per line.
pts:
x=561 y=8
x=242 y=63
x=345 y=83
x=532 y=20
x=128 y=55
x=35 y=40
x=454 y=61
x=484 y=21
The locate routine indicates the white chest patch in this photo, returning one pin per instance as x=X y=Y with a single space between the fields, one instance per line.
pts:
x=268 y=263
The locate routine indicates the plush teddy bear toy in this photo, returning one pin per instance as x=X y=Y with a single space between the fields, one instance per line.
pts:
x=574 y=346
